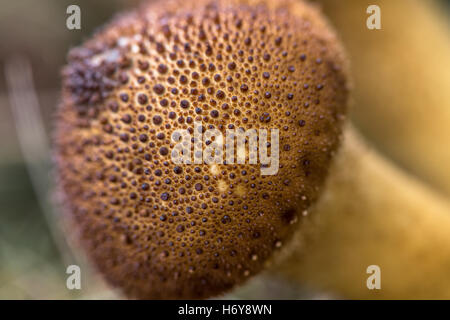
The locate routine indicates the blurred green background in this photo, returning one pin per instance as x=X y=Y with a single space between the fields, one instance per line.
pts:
x=31 y=266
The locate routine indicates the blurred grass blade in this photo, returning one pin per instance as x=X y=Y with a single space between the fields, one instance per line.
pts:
x=32 y=137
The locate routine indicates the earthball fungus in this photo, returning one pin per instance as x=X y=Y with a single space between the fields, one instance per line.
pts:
x=159 y=229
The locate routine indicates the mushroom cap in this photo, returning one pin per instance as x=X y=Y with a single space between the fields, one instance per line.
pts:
x=157 y=229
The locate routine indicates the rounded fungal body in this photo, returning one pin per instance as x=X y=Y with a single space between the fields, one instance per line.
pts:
x=157 y=229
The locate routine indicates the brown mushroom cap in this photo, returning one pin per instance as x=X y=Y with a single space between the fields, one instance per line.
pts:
x=157 y=229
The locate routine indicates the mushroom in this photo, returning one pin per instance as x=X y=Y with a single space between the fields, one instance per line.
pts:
x=159 y=229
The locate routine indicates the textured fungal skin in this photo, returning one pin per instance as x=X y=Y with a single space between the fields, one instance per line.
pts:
x=156 y=229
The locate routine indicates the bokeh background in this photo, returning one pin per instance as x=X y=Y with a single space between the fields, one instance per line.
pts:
x=34 y=41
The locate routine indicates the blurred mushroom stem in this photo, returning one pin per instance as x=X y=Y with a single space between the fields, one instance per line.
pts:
x=401 y=80
x=372 y=213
